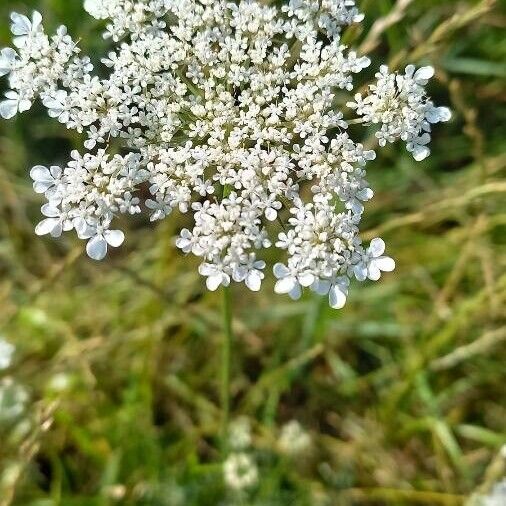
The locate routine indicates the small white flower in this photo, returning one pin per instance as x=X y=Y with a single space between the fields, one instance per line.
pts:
x=373 y=262
x=215 y=276
x=294 y=440
x=57 y=106
x=240 y=472
x=6 y=353
x=287 y=282
x=99 y=238
x=96 y=8
x=422 y=75
x=399 y=104
x=250 y=273
x=159 y=209
x=13 y=104
x=239 y=434
x=8 y=60
x=45 y=179
x=337 y=290
x=55 y=223
x=23 y=28
x=98 y=244
x=438 y=114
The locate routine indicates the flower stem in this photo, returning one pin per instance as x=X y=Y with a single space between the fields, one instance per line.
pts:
x=225 y=367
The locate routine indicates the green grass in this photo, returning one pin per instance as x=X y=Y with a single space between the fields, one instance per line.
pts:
x=402 y=391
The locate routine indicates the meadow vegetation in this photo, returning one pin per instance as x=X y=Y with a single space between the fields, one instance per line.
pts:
x=401 y=393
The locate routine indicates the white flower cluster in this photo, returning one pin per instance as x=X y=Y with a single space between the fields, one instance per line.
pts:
x=240 y=472
x=13 y=400
x=239 y=434
x=398 y=103
x=294 y=441
x=229 y=111
x=6 y=353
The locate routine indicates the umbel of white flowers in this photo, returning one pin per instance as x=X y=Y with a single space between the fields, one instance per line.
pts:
x=229 y=111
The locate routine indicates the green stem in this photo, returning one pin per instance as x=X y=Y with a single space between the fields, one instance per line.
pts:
x=225 y=367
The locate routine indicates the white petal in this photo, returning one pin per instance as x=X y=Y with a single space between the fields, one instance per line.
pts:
x=321 y=286
x=438 y=114
x=207 y=269
x=280 y=271
x=36 y=20
x=8 y=109
x=373 y=272
x=114 y=237
x=271 y=214
x=306 y=279
x=50 y=211
x=41 y=187
x=7 y=59
x=296 y=292
x=445 y=114
x=377 y=247
x=55 y=171
x=24 y=105
x=365 y=194
x=214 y=281
x=46 y=226
x=420 y=153
x=21 y=25
x=57 y=230
x=97 y=248
x=410 y=70
x=84 y=231
x=385 y=264
x=424 y=74
x=254 y=281
x=40 y=173
x=337 y=299
x=285 y=285
x=360 y=271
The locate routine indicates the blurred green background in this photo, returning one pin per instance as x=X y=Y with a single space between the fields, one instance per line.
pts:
x=112 y=394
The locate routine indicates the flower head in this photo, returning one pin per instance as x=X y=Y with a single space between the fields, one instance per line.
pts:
x=400 y=105
x=230 y=112
x=240 y=472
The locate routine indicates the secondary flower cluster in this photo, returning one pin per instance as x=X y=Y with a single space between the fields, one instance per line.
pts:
x=229 y=111
x=398 y=103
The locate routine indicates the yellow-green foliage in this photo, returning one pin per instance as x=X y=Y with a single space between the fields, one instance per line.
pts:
x=403 y=391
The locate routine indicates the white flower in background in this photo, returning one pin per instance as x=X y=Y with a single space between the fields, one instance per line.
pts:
x=60 y=382
x=13 y=399
x=293 y=439
x=240 y=472
x=497 y=496
x=6 y=353
x=231 y=112
x=239 y=434
x=373 y=262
